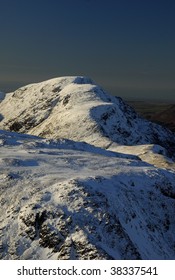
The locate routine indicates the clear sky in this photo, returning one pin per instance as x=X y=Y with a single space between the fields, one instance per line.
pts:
x=126 y=46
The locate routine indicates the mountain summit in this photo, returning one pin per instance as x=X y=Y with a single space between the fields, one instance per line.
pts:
x=78 y=109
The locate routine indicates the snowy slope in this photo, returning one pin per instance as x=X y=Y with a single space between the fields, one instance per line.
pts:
x=77 y=109
x=70 y=200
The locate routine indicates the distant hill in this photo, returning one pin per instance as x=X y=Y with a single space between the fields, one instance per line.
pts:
x=161 y=113
x=167 y=117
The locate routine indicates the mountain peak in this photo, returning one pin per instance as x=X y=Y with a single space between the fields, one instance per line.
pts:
x=76 y=108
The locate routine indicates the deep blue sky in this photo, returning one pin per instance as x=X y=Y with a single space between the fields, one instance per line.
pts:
x=127 y=46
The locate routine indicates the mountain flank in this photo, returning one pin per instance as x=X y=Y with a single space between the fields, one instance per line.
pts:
x=83 y=176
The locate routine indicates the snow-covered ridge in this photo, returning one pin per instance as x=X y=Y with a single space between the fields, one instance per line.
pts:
x=68 y=200
x=99 y=185
x=76 y=108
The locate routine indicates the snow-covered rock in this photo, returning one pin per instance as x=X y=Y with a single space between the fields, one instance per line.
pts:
x=68 y=200
x=105 y=192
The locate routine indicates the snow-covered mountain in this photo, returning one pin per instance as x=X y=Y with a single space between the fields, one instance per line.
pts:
x=70 y=200
x=105 y=192
x=77 y=109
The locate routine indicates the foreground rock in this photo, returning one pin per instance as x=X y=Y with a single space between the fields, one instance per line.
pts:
x=70 y=200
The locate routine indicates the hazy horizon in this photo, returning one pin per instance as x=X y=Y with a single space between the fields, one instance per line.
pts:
x=126 y=94
x=126 y=46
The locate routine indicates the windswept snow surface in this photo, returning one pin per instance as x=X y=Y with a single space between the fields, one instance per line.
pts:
x=70 y=200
